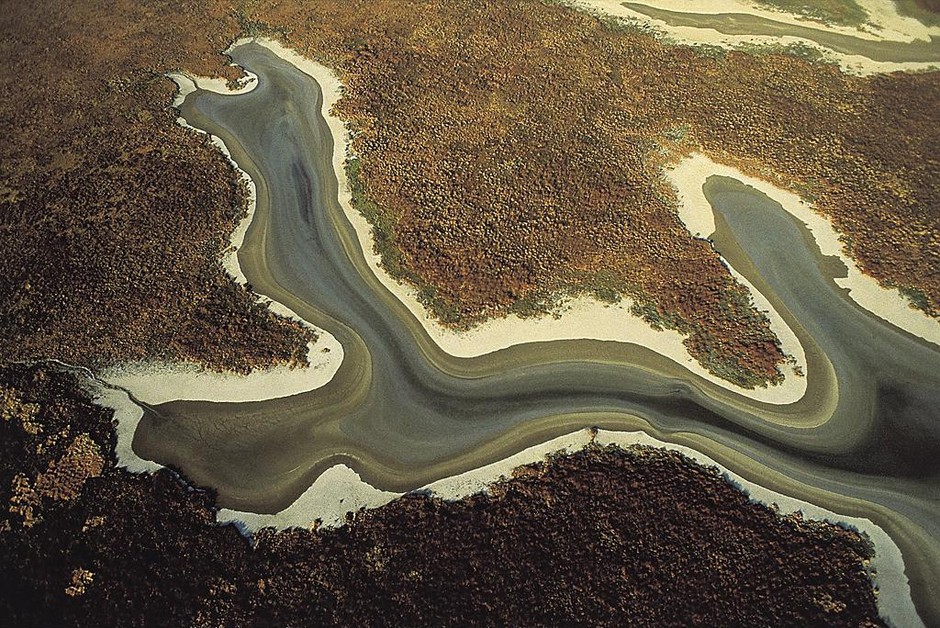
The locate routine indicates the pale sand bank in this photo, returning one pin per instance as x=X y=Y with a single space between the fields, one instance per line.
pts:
x=189 y=83
x=885 y=23
x=337 y=491
x=127 y=414
x=889 y=26
x=580 y=319
x=157 y=382
x=695 y=211
x=340 y=491
x=697 y=215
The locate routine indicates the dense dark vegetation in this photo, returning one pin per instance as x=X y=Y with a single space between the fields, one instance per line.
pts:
x=603 y=536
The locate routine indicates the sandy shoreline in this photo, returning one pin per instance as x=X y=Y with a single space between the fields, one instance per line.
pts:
x=127 y=415
x=580 y=318
x=885 y=23
x=890 y=27
x=340 y=490
x=694 y=210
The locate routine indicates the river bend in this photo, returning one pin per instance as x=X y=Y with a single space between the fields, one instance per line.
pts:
x=864 y=440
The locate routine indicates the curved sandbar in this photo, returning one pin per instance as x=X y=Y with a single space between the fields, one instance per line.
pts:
x=340 y=490
x=757 y=26
x=895 y=43
x=884 y=22
x=690 y=176
x=404 y=413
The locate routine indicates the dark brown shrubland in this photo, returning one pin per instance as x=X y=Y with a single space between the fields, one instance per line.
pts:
x=601 y=537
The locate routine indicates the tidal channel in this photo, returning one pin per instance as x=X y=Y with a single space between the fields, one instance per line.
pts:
x=864 y=440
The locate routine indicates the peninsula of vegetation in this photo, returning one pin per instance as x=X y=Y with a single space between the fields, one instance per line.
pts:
x=508 y=156
x=531 y=168
x=602 y=536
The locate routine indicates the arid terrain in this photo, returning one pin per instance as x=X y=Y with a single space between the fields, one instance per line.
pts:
x=529 y=169
x=602 y=536
x=828 y=11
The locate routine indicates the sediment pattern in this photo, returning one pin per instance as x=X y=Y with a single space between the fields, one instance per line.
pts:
x=567 y=187
x=602 y=536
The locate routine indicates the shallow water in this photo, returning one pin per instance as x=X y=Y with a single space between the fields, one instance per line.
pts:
x=754 y=25
x=864 y=440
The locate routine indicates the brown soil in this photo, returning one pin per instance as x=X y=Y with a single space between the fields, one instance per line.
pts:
x=601 y=537
x=507 y=152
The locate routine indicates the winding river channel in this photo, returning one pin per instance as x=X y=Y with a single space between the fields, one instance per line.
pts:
x=756 y=26
x=864 y=440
